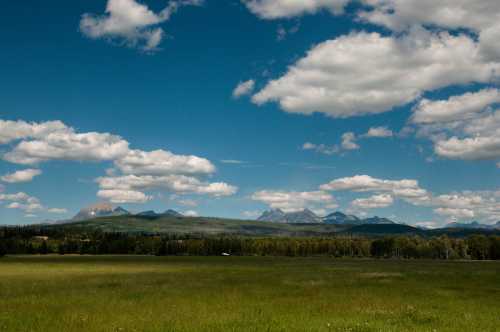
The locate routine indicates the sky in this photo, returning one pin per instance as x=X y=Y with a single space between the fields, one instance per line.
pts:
x=229 y=108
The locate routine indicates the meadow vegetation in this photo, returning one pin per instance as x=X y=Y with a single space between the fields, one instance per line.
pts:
x=147 y=293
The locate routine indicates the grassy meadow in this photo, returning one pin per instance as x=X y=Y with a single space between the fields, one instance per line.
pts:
x=142 y=293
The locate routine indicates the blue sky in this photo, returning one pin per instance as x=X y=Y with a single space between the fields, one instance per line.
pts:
x=162 y=76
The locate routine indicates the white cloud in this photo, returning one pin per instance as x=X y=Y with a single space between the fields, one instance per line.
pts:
x=190 y=213
x=160 y=162
x=15 y=130
x=483 y=205
x=475 y=148
x=480 y=17
x=140 y=169
x=251 y=214
x=243 y=88
x=367 y=73
x=373 y=202
x=364 y=183
x=427 y=224
x=27 y=203
x=24 y=175
x=455 y=108
x=179 y=184
x=488 y=41
x=232 y=161
x=462 y=127
x=67 y=145
x=321 y=148
x=453 y=14
x=57 y=210
x=188 y=202
x=456 y=213
x=405 y=189
x=119 y=196
x=349 y=141
x=22 y=201
x=378 y=132
x=468 y=204
x=131 y=23
x=273 y=9
x=292 y=201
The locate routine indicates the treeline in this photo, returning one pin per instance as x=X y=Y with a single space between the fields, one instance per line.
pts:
x=31 y=241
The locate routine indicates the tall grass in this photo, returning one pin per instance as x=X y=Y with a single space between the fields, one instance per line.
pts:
x=111 y=293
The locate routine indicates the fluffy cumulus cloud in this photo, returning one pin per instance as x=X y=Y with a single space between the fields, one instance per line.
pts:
x=366 y=73
x=243 y=88
x=378 y=132
x=25 y=175
x=456 y=108
x=292 y=201
x=373 y=202
x=406 y=189
x=455 y=213
x=321 y=148
x=464 y=127
x=28 y=204
x=474 y=148
x=68 y=146
x=483 y=205
x=273 y=9
x=14 y=130
x=56 y=141
x=131 y=23
x=480 y=17
x=160 y=162
x=180 y=184
x=349 y=141
x=119 y=196
x=469 y=204
x=21 y=201
x=366 y=183
x=190 y=213
x=135 y=171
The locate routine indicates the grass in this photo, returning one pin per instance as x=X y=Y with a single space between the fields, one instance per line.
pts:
x=137 y=293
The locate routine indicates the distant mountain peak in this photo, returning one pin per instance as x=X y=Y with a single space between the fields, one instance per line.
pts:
x=340 y=218
x=119 y=209
x=100 y=210
x=172 y=213
x=307 y=216
x=472 y=225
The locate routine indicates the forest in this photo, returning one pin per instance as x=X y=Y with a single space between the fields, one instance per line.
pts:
x=29 y=240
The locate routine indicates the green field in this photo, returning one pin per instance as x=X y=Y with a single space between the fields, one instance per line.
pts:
x=139 y=293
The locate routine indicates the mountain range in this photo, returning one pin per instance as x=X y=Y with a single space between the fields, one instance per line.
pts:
x=473 y=225
x=107 y=210
x=306 y=216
